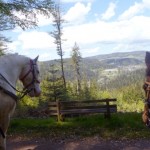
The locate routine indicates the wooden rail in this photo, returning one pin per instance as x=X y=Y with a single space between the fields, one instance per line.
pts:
x=62 y=109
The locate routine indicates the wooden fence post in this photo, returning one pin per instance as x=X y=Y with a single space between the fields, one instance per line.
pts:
x=107 y=115
x=58 y=110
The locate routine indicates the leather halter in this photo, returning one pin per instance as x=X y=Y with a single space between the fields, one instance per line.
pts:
x=32 y=71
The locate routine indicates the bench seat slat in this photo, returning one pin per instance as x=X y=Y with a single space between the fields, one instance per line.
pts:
x=89 y=101
x=87 y=107
x=78 y=111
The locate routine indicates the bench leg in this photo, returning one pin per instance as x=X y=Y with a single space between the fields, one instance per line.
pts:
x=61 y=118
x=106 y=115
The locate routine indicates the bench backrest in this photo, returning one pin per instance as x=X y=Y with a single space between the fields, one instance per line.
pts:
x=90 y=106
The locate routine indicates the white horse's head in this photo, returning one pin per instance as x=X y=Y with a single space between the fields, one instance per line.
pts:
x=30 y=78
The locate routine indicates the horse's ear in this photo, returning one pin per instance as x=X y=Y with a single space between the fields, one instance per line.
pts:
x=35 y=59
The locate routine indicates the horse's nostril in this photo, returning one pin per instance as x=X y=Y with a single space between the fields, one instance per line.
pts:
x=38 y=94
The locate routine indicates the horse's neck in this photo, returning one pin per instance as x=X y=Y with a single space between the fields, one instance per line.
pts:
x=147 y=78
x=11 y=67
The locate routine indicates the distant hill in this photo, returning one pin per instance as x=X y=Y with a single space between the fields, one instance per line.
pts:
x=101 y=67
x=135 y=54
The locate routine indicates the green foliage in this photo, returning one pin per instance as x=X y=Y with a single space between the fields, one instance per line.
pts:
x=54 y=87
x=25 y=106
x=3 y=44
x=130 y=97
x=29 y=9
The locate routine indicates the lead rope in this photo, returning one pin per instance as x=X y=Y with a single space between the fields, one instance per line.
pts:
x=2 y=133
x=25 y=93
x=11 y=84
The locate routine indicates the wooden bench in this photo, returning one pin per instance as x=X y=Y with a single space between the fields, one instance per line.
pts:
x=62 y=109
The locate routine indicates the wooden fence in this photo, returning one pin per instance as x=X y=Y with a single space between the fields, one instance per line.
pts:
x=62 y=109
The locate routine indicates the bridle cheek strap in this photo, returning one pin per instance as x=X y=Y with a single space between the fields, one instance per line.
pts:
x=22 y=79
x=31 y=70
x=147 y=90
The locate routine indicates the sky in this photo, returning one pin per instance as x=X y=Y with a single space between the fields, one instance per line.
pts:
x=97 y=26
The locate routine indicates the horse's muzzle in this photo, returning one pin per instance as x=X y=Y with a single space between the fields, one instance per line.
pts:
x=35 y=92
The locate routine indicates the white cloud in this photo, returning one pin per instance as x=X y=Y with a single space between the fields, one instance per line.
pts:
x=34 y=43
x=74 y=1
x=13 y=46
x=146 y=3
x=77 y=13
x=132 y=11
x=117 y=31
x=43 y=20
x=35 y=40
x=110 y=12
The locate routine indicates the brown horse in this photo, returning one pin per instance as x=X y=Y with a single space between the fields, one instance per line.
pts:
x=146 y=87
x=12 y=68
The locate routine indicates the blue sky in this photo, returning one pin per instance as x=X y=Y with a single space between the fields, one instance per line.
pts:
x=97 y=26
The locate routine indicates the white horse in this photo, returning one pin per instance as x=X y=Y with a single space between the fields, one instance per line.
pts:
x=12 y=68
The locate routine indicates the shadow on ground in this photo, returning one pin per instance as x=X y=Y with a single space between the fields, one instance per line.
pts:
x=94 y=143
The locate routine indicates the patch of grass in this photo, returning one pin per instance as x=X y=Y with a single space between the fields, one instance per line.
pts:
x=120 y=125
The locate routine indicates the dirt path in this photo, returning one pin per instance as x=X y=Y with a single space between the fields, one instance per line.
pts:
x=94 y=143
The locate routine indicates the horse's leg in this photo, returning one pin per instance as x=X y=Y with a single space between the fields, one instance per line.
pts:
x=4 y=126
x=145 y=113
x=2 y=143
x=7 y=107
x=4 y=121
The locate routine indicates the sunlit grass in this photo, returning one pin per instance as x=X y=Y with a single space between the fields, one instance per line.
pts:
x=121 y=125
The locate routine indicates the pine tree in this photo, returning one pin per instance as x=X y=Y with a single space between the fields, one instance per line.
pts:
x=54 y=89
x=57 y=34
x=76 y=60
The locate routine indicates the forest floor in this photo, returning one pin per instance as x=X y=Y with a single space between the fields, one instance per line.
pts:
x=90 y=143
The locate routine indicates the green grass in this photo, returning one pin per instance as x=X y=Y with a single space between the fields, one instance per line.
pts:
x=127 y=125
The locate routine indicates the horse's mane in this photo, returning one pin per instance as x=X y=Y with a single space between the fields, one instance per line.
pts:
x=14 y=56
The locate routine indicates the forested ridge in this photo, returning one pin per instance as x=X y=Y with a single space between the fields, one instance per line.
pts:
x=97 y=66
x=119 y=75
